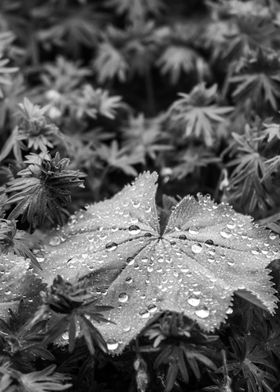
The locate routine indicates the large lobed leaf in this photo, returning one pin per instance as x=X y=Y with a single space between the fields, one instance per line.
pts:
x=205 y=253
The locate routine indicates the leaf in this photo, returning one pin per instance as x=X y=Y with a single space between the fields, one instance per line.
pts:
x=16 y=280
x=178 y=59
x=45 y=380
x=136 y=9
x=258 y=81
x=122 y=158
x=110 y=63
x=198 y=115
x=193 y=265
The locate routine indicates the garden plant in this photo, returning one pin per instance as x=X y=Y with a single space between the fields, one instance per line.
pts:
x=139 y=195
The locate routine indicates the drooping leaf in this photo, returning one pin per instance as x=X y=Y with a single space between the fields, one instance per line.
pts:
x=205 y=253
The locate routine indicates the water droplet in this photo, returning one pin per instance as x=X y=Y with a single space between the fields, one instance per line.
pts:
x=202 y=313
x=123 y=297
x=144 y=314
x=272 y=236
x=160 y=259
x=225 y=234
x=229 y=311
x=182 y=237
x=127 y=328
x=209 y=242
x=147 y=235
x=193 y=230
x=65 y=336
x=196 y=248
x=136 y=203
x=54 y=241
x=193 y=301
x=130 y=261
x=112 y=345
x=129 y=280
x=231 y=226
x=111 y=246
x=134 y=230
x=152 y=308
x=230 y=263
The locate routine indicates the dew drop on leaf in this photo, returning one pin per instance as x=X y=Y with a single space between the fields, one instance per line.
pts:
x=196 y=248
x=225 y=234
x=130 y=261
x=193 y=301
x=202 y=313
x=65 y=336
x=55 y=241
x=136 y=203
x=144 y=314
x=111 y=246
x=112 y=345
x=193 y=231
x=152 y=308
x=134 y=230
x=123 y=297
x=229 y=311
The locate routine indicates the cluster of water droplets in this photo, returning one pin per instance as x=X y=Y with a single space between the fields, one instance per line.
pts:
x=210 y=243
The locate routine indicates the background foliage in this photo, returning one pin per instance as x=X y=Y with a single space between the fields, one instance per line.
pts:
x=93 y=93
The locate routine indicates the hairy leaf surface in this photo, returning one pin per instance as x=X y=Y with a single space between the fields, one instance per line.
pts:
x=205 y=253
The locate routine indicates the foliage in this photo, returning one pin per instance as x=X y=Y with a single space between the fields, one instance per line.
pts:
x=93 y=93
x=190 y=246
x=42 y=189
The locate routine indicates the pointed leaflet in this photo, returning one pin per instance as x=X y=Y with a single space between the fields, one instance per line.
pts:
x=205 y=253
x=17 y=282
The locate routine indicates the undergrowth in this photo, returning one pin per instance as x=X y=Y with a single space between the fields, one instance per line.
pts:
x=93 y=93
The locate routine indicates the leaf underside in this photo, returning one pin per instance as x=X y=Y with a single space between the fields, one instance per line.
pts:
x=205 y=254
